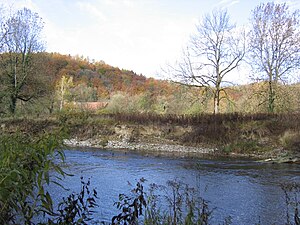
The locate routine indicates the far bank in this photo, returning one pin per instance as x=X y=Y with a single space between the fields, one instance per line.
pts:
x=269 y=137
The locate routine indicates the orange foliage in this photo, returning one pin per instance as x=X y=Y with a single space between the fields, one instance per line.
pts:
x=104 y=78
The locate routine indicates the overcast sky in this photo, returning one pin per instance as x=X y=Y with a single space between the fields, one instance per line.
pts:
x=138 y=35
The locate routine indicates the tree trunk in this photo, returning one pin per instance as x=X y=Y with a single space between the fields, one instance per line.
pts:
x=271 y=98
x=62 y=92
x=51 y=107
x=13 y=103
x=216 y=103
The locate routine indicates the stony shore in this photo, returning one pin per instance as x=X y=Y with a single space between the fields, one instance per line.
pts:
x=176 y=150
x=144 y=148
x=151 y=140
x=258 y=140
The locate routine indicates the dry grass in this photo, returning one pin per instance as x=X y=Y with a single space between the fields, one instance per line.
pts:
x=224 y=129
x=236 y=130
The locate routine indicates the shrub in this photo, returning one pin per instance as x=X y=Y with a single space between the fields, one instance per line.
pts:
x=77 y=208
x=25 y=164
x=125 y=103
x=131 y=207
x=180 y=205
x=291 y=140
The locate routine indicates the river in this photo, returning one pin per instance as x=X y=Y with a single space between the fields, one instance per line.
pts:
x=245 y=190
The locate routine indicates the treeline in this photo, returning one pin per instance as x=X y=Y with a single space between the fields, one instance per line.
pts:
x=269 y=45
x=70 y=79
x=33 y=81
x=126 y=91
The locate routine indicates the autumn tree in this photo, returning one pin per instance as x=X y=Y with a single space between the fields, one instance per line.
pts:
x=63 y=90
x=274 y=46
x=22 y=39
x=215 y=50
x=47 y=67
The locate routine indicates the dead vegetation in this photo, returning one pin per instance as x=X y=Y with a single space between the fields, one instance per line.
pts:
x=231 y=133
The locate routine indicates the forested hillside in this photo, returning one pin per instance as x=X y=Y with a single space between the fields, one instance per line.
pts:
x=33 y=81
x=84 y=82
x=60 y=81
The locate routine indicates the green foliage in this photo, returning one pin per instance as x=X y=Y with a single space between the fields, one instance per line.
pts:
x=25 y=164
x=195 y=109
x=131 y=206
x=180 y=206
x=18 y=72
x=124 y=103
x=146 y=102
x=25 y=167
x=73 y=117
x=76 y=208
x=118 y=103
x=183 y=206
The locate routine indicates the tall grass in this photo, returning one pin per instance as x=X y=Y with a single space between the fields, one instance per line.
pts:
x=221 y=129
x=290 y=119
x=242 y=133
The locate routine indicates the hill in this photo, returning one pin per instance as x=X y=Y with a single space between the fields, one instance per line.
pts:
x=62 y=82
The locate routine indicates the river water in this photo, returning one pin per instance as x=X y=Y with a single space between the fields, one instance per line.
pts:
x=245 y=190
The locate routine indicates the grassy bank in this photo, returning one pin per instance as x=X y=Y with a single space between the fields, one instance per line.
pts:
x=261 y=135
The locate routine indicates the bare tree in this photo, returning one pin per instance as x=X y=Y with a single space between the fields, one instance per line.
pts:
x=21 y=40
x=215 y=50
x=3 y=32
x=274 y=46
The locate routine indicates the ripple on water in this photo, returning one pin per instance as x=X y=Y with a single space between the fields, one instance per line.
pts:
x=242 y=189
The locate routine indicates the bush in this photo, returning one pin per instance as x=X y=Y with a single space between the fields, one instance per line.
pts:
x=73 y=117
x=291 y=140
x=76 y=208
x=25 y=164
x=180 y=205
x=125 y=103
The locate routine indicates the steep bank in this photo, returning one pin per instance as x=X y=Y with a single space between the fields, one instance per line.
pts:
x=271 y=138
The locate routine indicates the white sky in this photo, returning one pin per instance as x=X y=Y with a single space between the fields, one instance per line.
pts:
x=138 y=35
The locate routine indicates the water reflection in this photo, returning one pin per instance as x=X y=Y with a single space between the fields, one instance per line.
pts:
x=242 y=189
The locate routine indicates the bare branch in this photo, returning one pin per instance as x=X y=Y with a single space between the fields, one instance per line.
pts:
x=22 y=38
x=274 y=45
x=215 y=50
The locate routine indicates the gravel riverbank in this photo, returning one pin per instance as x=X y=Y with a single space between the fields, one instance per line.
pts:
x=177 y=150
x=150 y=148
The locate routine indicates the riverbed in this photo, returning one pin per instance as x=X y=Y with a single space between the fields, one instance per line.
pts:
x=247 y=191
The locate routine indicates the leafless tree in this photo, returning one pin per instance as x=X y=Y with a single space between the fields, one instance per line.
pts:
x=3 y=33
x=22 y=38
x=274 y=46
x=215 y=50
